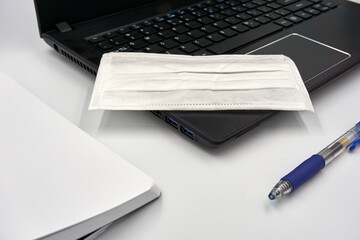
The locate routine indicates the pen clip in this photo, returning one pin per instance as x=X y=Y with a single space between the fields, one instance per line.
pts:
x=353 y=145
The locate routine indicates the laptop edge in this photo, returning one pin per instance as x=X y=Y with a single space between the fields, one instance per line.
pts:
x=211 y=129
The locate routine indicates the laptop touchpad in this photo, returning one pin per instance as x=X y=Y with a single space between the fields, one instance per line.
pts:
x=311 y=57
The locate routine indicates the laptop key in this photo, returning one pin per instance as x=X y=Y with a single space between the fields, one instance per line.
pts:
x=202 y=42
x=294 y=19
x=167 y=34
x=312 y=11
x=211 y=10
x=329 y=4
x=175 y=51
x=259 y=2
x=216 y=37
x=324 y=9
x=153 y=39
x=96 y=39
x=262 y=19
x=148 y=23
x=232 y=2
x=162 y=26
x=202 y=52
x=189 y=48
x=148 y=30
x=240 y=28
x=273 y=5
x=188 y=17
x=228 y=12
x=217 y=16
x=201 y=5
x=206 y=20
x=244 y=16
x=180 y=29
x=232 y=20
x=298 y=6
x=286 y=2
x=222 y=6
x=210 y=2
x=228 y=32
x=303 y=15
x=193 y=24
x=134 y=35
x=200 y=13
x=249 y=5
x=192 y=9
x=181 y=12
x=254 y=12
x=138 y=44
x=174 y=21
x=251 y=24
x=272 y=15
x=123 y=30
x=154 y=49
x=136 y=27
x=239 y=9
x=123 y=48
x=320 y=7
x=110 y=35
x=183 y=38
x=221 y=24
x=170 y=15
x=282 y=12
x=244 y=38
x=196 y=34
x=283 y=22
x=265 y=9
x=117 y=41
x=159 y=19
x=105 y=45
x=168 y=44
x=208 y=29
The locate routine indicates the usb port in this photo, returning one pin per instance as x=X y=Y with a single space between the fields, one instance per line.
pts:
x=172 y=122
x=187 y=132
x=157 y=113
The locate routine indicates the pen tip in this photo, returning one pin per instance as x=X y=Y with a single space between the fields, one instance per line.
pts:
x=271 y=196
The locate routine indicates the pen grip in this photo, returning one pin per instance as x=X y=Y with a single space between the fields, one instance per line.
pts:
x=305 y=171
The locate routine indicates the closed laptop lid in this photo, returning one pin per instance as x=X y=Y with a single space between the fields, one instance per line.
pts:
x=56 y=181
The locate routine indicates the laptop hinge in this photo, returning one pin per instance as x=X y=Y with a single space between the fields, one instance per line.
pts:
x=63 y=27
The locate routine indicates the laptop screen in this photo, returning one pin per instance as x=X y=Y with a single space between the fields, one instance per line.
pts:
x=51 y=12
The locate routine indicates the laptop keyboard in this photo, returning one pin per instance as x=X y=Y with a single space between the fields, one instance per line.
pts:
x=210 y=27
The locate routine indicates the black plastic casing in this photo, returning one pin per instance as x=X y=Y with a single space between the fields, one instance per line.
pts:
x=212 y=129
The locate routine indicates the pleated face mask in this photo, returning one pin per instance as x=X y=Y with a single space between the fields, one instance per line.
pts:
x=144 y=81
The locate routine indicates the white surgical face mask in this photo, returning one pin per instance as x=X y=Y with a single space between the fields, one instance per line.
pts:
x=143 y=81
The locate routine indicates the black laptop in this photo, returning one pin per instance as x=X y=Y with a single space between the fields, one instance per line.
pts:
x=321 y=36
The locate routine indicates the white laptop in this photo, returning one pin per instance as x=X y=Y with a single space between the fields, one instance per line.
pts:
x=56 y=182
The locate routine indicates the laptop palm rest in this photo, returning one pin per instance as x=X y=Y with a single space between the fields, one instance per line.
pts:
x=310 y=56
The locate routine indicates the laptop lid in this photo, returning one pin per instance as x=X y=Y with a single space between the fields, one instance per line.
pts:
x=56 y=181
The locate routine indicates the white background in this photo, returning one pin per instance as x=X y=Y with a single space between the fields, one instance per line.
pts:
x=206 y=193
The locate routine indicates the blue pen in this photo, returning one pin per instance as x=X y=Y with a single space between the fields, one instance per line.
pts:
x=315 y=163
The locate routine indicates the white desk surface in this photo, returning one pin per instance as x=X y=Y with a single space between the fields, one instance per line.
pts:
x=206 y=193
